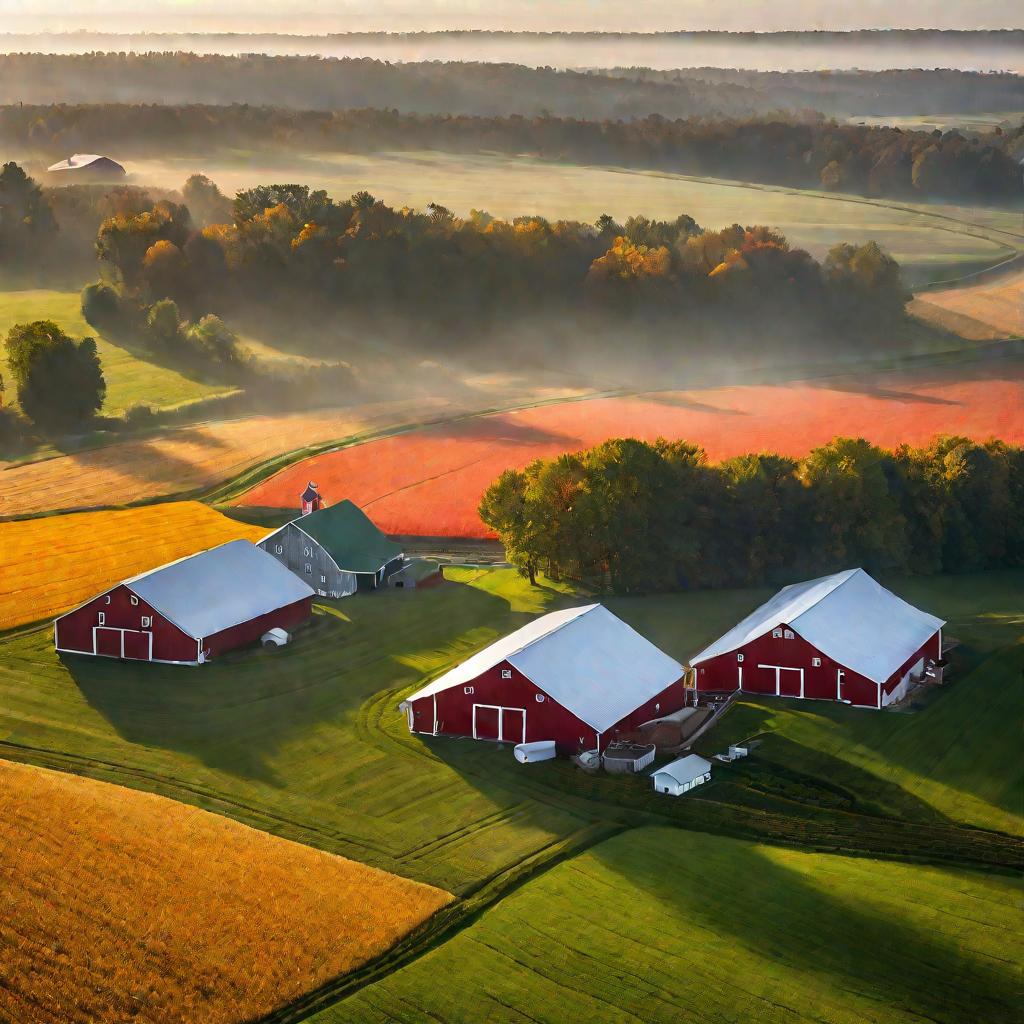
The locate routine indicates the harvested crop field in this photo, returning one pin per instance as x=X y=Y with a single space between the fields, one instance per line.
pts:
x=124 y=906
x=193 y=458
x=993 y=308
x=53 y=564
x=429 y=483
x=189 y=458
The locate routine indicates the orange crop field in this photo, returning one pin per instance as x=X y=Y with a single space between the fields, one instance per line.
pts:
x=993 y=308
x=189 y=458
x=429 y=483
x=49 y=565
x=124 y=906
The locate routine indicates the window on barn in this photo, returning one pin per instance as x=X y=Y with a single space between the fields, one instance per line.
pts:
x=103 y=618
x=309 y=569
x=108 y=599
x=539 y=697
x=279 y=548
x=135 y=600
x=467 y=689
x=323 y=579
x=789 y=634
x=816 y=662
x=308 y=552
x=739 y=657
x=147 y=620
x=506 y=673
x=776 y=632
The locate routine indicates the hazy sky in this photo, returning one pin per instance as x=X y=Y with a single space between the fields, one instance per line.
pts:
x=314 y=16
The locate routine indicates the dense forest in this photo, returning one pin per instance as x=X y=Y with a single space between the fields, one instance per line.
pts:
x=629 y=517
x=491 y=89
x=873 y=161
x=457 y=278
x=856 y=93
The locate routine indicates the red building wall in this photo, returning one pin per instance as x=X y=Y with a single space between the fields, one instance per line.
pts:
x=546 y=719
x=248 y=632
x=820 y=682
x=74 y=631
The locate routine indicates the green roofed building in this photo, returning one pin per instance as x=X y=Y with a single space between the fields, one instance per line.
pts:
x=336 y=550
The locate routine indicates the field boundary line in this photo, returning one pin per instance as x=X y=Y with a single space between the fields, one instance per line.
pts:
x=446 y=923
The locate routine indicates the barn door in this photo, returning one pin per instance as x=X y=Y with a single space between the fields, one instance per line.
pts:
x=513 y=725
x=791 y=682
x=138 y=644
x=106 y=641
x=486 y=722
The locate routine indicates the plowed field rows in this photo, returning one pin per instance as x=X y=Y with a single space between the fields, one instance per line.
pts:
x=994 y=308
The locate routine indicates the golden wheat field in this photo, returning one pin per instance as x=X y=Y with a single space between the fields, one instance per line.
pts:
x=993 y=308
x=124 y=906
x=50 y=565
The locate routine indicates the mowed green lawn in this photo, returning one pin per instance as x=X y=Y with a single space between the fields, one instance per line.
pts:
x=130 y=379
x=930 y=242
x=956 y=758
x=662 y=925
x=307 y=742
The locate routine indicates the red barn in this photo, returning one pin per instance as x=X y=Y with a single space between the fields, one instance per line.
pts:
x=842 y=637
x=578 y=677
x=189 y=611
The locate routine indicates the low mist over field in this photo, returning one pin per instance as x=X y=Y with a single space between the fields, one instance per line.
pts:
x=796 y=51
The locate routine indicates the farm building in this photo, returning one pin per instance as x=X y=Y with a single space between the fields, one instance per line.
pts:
x=337 y=550
x=88 y=167
x=682 y=775
x=578 y=677
x=188 y=611
x=842 y=637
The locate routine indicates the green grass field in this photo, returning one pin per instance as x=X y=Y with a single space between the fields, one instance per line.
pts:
x=307 y=743
x=929 y=242
x=660 y=925
x=130 y=379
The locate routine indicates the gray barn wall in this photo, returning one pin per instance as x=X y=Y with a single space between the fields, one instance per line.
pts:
x=294 y=544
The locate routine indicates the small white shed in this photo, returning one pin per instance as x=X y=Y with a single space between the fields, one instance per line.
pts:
x=680 y=776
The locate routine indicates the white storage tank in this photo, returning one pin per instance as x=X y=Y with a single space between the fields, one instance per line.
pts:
x=538 y=750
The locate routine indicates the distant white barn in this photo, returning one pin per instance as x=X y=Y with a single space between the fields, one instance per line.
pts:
x=88 y=166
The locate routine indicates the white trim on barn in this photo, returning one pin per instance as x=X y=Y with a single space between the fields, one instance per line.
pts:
x=779 y=669
x=501 y=709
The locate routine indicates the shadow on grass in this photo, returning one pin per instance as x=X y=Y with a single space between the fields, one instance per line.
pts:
x=236 y=713
x=787 y=917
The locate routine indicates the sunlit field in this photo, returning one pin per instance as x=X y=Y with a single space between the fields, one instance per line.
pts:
x=120 y=905
x=49 y=565
x=928 y=243
x=430 y=482
x=131 y=380
x=661 y=925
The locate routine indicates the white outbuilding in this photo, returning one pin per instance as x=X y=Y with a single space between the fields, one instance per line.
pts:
x=680 y=776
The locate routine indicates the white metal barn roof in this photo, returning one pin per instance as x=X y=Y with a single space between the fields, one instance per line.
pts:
x=80 y=161
x=847 y=616
x=219 y=588
x=684 y=769
x=588 y=660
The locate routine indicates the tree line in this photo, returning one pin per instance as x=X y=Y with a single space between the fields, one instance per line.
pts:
x=631 y=517
x=454 y=277
x=491 y=88
x=867 y=160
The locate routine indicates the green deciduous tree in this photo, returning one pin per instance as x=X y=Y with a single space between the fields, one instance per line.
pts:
x=59 y=380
